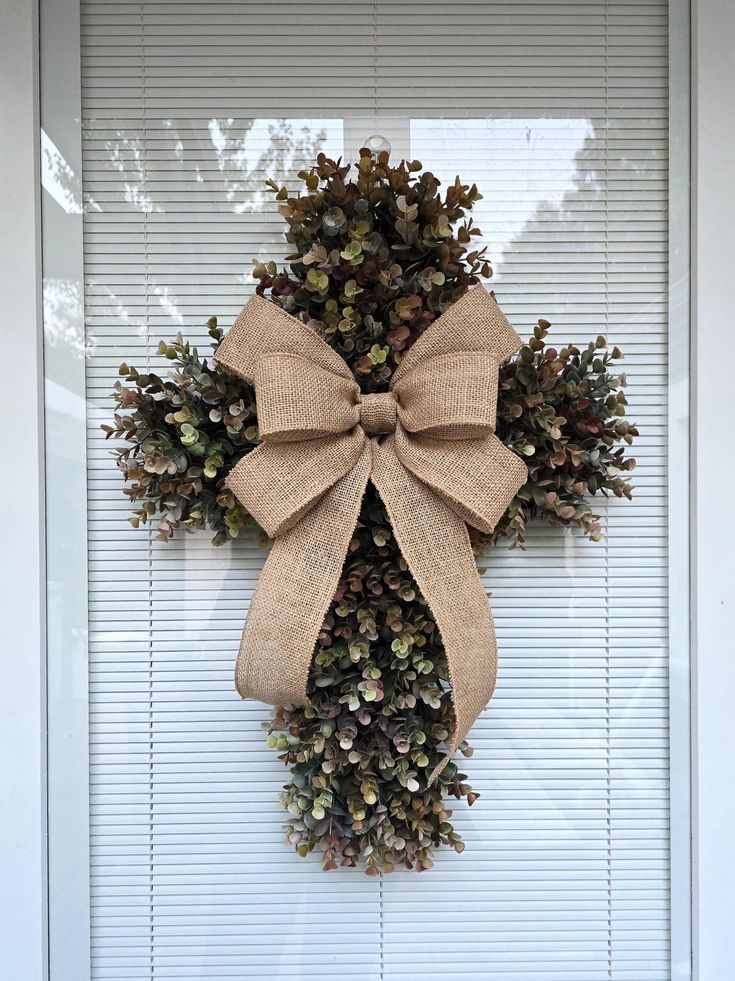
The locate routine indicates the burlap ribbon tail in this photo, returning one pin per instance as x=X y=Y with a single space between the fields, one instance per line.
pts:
x=428 y=445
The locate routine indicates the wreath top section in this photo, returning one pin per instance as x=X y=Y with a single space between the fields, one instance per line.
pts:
x=375 y=258
x=377 y=253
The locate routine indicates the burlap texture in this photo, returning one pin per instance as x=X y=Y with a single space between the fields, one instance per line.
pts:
x=450 y=396
x=439 y=468
x=294 y=591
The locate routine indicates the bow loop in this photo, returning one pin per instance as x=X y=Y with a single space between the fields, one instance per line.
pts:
x=299 y=399
x=278 y=483
x=474 y=323
x=450 y=396
x=264 y=328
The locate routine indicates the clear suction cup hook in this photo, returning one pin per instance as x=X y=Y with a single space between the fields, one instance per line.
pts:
x=377 y=144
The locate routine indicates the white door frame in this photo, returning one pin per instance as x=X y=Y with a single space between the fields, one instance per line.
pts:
x=713 y=473
x=66 y=492
x=23 y=910
x=711 y=543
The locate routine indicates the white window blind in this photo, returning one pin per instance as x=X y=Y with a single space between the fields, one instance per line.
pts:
x=559 y=112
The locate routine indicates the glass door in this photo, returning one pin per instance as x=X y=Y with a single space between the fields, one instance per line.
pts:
x=560 y=113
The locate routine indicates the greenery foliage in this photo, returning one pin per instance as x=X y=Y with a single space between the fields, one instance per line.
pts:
x=375 y=259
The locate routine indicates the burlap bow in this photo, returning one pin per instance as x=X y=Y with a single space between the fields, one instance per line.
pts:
x=429 y=447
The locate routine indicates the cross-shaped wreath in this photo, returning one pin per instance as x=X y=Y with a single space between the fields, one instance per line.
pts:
x=351 y=412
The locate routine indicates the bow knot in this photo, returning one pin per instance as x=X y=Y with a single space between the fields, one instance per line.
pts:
x=379 y=413
x=439 y=468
